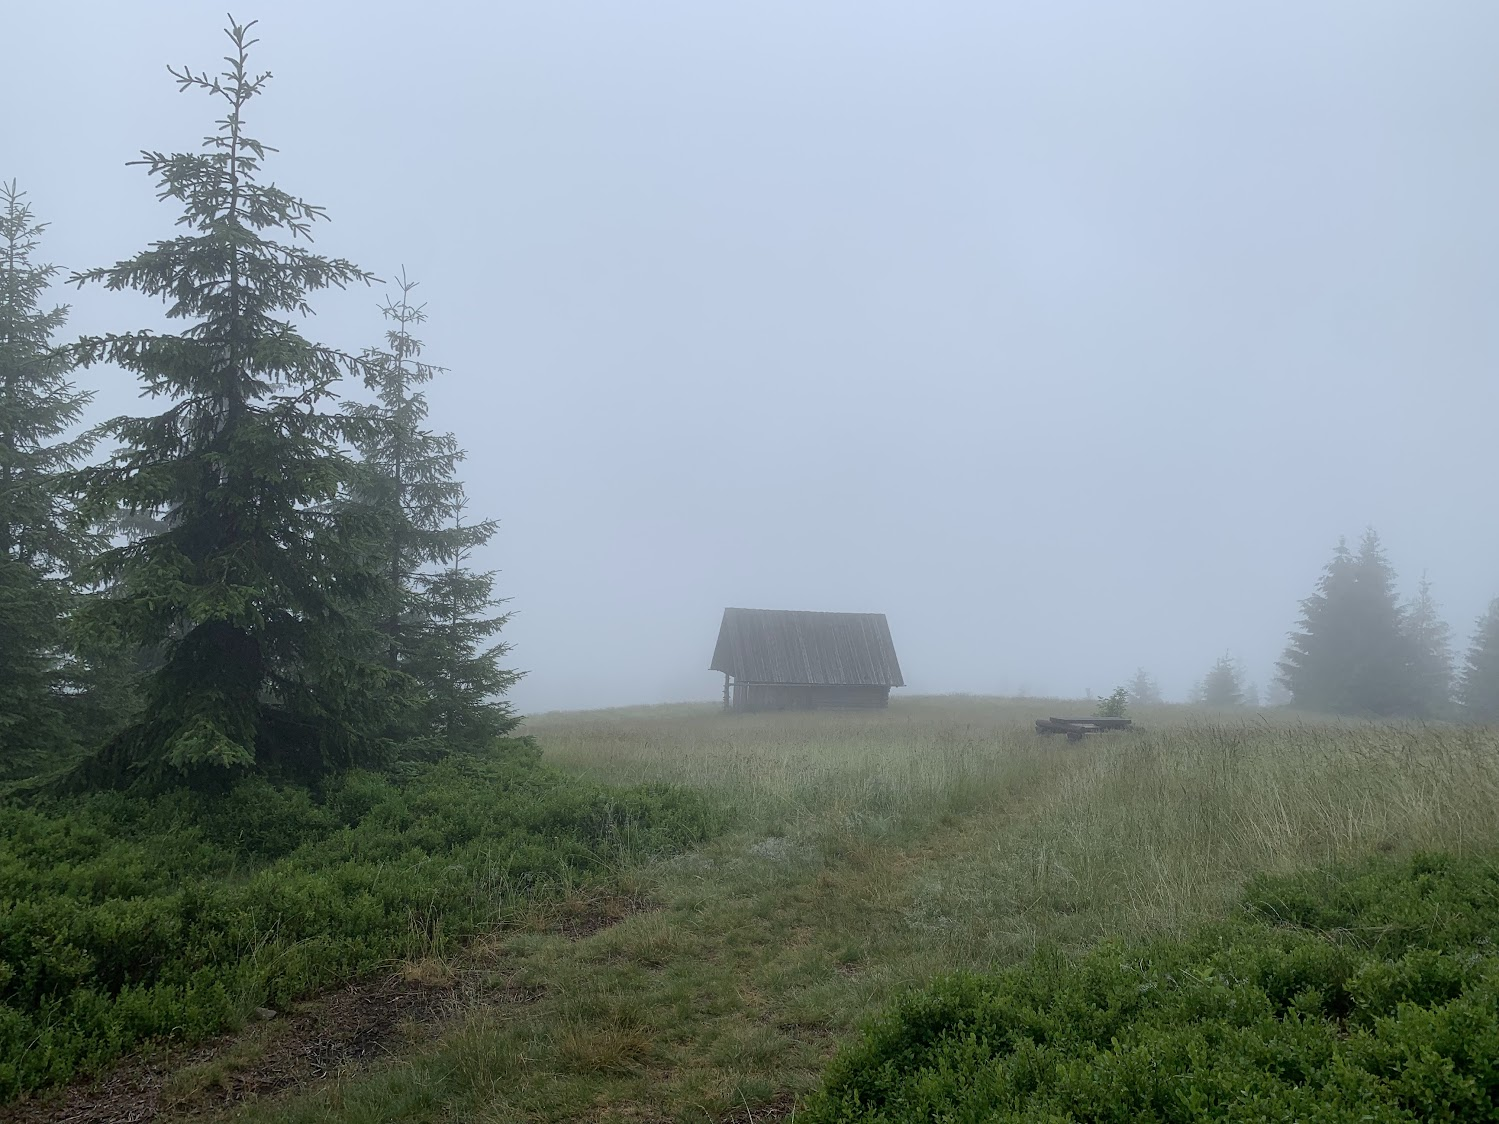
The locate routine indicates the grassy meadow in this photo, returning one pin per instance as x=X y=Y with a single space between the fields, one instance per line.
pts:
x=866 y=855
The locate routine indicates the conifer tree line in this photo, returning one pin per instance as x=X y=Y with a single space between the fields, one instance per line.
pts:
x=257 y=577
x=1360 y=650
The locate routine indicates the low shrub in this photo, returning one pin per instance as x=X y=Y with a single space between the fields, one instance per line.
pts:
x=124 y=919
x=1367 y=993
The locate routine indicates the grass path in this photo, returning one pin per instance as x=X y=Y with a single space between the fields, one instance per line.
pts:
x=722 y=1000
x=871 y=853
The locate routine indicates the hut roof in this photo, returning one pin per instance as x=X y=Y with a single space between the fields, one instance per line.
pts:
x=786 y=646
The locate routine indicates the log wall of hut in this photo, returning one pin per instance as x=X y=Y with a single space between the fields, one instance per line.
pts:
x=799 y=696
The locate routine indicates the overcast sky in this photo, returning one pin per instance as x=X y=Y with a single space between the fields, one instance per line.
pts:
x=1069 y=335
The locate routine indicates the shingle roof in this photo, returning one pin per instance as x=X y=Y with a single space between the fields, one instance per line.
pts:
x=786 y=646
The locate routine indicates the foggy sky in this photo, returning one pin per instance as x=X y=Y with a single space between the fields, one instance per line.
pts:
x=1069 y=335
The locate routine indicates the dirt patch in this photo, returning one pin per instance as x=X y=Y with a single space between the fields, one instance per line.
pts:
x=783 y=1107
x=512 y=994
x=579 y=918
x=354 y=1026
x=360 y=1023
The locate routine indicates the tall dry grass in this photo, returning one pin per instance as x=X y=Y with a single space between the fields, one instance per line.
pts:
x=1121 y=835
x=1154 y=832
x=796 y=772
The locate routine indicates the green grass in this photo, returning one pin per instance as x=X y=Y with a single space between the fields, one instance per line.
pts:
x=870 y=854
x=868 y=772
x=125 y=919
x=1360 y=992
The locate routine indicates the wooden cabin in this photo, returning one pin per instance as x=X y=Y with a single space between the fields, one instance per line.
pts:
x=780 y=659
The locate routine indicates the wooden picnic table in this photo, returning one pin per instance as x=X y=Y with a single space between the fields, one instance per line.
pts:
x=1077 y=728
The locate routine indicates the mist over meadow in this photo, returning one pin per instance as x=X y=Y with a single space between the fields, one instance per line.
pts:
x=1072 y=338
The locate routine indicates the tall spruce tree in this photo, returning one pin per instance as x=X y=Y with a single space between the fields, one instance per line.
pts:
x=1352 y=654
x=436 y=617
x=1316 y=663
x=40 y=540
x=1479 y=688
x=254 y=588
x=1431 y=654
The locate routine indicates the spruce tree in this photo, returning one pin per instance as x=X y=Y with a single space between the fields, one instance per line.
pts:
x=1352 y=654
x=1314 y=668
x=1431 y=654
x=254 y=587
x=1385 y=679
x=436 y=615
x=456 y=660
x=1142 y=689
x=1223 y=686
x=40 y=540
x=1479 y=689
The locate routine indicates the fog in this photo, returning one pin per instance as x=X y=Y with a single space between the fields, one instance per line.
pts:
x=1070 y=336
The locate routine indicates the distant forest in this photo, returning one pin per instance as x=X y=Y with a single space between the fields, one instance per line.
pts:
x=1358 y=650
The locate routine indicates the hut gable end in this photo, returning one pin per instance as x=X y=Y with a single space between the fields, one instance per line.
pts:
x=781 y=646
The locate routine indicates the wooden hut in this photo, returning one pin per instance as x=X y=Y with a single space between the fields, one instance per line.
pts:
x=778 y=659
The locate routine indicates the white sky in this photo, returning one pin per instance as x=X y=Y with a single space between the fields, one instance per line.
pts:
x=1069 y=335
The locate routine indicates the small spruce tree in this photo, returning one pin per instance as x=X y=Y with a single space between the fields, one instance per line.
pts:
x=1143 y=690
x=253 y=588
x=435 y=619
x=1431 y=652
x=41 y=541
x=1479 y=688
x=456 y=660
x=1223 y=685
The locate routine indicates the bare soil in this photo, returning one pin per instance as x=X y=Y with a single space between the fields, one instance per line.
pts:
x=782 y=1108
x=354 y=1026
